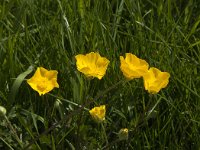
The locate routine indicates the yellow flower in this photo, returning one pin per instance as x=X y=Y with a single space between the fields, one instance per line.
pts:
x=155 y=80
x=92 y=64
x=123 y=134
x=133 y=67
x=43 y=80
x=98 y=113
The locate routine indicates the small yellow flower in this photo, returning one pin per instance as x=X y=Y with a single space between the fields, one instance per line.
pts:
x=43 y=81
x=123 y=134
x=133 y=67
x=155 y=80
x=92 y=64
x=98 y=113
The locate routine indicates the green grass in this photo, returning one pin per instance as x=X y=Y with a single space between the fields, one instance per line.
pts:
x=49 y=33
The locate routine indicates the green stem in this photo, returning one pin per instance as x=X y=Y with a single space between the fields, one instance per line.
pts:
x=104 y=133
x=110 y=88
x=6 y=143
x=66 y=118
x=142 y=118
x=68 y=101
x=13 y=131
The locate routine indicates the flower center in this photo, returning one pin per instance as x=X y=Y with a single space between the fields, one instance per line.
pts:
x=42 y=84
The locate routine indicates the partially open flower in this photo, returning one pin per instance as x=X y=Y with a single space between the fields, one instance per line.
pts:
x=92 y=65
x=98 y=113
x=155 y=80
x=133 y=67
x=123 y=134
x=43 y=81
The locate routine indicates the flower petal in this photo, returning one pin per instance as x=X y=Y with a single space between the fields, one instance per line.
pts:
x=43 y=81
x=98 y=113
x=92 y=64
x=133 y=67
x=155 y=80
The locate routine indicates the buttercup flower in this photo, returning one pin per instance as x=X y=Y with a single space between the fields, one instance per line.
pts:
x=123 y=134
x=92 y=64
x=43 y=80
x=98 y=113
x=155 y=80
x=133 y=67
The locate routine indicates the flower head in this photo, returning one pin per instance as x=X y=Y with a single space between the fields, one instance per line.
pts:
x=92 y=64
x=155 y=80
x=98 y=113
x=123 y=134
x=133 y=67
x=43 y=81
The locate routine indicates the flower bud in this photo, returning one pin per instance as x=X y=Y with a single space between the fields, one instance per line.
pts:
x=2 y=111
x=57 y=103
x=123 y=134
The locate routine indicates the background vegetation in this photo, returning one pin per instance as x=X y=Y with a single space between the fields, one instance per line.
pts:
x=49 y=33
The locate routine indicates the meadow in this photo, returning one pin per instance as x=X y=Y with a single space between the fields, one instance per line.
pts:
x=52 y=33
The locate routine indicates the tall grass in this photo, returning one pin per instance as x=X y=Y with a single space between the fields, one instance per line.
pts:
x=50 y=33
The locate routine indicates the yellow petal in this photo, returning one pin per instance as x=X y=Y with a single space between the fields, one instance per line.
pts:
x=133 y=67
x=80 y=63
x=101 y=65
x=92 y=64
x=155 y=80
x=132 y=59
x=98 y=113
x=43 y=81
x=43 y=71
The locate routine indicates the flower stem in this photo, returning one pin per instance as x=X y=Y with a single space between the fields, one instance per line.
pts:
x=142 y=116
x=13 y=131
x=104 y=133
x=66 y=118
x=63 y=99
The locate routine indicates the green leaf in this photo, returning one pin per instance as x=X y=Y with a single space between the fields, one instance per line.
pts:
x=18 y=81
